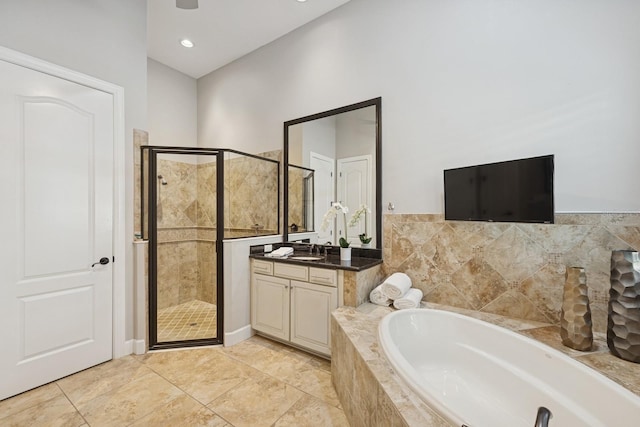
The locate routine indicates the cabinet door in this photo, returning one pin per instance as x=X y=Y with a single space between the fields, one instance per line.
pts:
x=311 y=307
x=270 y=305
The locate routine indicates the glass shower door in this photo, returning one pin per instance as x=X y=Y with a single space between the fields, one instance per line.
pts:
x=184 y=287
x=192 y=200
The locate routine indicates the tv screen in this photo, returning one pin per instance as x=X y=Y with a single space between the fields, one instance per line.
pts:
x=512 y=191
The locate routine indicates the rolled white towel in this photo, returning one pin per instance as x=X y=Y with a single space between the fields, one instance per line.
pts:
x=409 y=300
x=378 y=297
x=396 y=285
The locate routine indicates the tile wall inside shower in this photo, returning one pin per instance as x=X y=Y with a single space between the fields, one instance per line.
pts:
x=187 y=227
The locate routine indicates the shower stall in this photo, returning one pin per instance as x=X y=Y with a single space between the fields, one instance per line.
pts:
x=301 y=199
x=192 y=200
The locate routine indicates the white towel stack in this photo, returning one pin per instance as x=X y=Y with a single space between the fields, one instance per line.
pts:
x=378 y=297
x=396 y=285
x=409 y=300
x=396 y=289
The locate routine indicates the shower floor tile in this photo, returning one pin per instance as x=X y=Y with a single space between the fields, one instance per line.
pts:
x=187 y=321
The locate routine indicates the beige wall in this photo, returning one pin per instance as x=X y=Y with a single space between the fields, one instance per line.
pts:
x=516 y=270
x=462 y=83
x=172 y=106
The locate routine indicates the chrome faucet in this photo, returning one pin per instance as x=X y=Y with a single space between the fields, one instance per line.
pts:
x=311 y=246
x=543 y=417
x=326 y=247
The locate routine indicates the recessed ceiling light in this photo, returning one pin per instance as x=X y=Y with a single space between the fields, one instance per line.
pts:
x=187 y=4
x=301 y=1
x=186 y=43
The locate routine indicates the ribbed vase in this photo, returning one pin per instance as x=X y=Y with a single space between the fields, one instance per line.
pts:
x=575 y=322
x=623 y=326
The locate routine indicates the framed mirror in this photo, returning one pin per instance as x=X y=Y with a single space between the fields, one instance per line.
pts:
x=334 y=156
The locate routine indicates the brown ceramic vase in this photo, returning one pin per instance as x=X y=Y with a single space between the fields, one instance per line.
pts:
x=623 y=327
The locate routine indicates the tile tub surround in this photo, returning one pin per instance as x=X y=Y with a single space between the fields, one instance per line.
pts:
x=357 y=285
x=372 y=394
x=510 y=269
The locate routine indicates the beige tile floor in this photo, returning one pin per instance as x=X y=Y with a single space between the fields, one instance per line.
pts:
x=255 y=383
x=187 y=321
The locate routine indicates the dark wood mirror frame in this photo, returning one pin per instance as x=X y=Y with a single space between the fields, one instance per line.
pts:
x=377 y=102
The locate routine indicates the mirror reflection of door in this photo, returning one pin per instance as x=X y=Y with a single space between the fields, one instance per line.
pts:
x=354 y=190
x=346 y=138
x=324 y=194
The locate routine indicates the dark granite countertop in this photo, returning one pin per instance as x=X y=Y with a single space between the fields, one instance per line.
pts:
x=361 y=259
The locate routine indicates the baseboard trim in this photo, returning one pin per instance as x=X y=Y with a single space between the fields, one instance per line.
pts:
x=237 y=336
x=139 y=347
x=134 y=347
x=127 y=349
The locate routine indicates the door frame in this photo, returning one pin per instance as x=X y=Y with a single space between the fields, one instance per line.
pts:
x=120 y=346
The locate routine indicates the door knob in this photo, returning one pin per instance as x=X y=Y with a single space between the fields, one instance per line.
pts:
x=103 y=261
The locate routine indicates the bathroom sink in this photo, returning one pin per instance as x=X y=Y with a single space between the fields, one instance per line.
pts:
x=307 y=258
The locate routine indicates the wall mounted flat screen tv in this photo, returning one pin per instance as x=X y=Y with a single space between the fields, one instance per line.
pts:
x=512 y=191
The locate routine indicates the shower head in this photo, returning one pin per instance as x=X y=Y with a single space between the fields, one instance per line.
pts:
x=162 y=180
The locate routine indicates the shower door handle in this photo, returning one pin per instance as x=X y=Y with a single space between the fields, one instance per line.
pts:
x=103 y=261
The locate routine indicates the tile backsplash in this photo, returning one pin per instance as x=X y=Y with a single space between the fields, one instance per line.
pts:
x=516 y=270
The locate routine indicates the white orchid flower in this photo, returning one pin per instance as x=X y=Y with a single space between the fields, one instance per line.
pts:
x=358 y=214
x=336 y=207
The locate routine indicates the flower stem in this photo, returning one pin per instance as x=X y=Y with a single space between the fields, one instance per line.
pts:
x=365 y=223
x=344 y=217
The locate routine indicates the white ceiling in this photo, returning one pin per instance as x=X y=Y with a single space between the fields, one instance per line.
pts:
x=223 y=30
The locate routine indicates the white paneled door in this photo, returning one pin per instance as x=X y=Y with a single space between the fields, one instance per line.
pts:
x=354 y=189
x=323 y=194
x=56 y=224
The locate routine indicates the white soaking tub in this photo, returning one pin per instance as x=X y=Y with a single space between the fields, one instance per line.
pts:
x=480 y=375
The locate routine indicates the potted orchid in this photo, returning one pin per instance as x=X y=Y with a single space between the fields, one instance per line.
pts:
x=360 y=213
x=334 y=210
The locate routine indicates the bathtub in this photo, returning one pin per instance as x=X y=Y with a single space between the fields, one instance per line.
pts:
x=477 y=374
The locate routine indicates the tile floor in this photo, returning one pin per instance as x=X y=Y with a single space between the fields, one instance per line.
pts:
x=255 y=383
x=188 y=321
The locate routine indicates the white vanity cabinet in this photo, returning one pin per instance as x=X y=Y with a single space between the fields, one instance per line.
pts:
x=293 y=303
x=310 y=315
x=270 y=305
